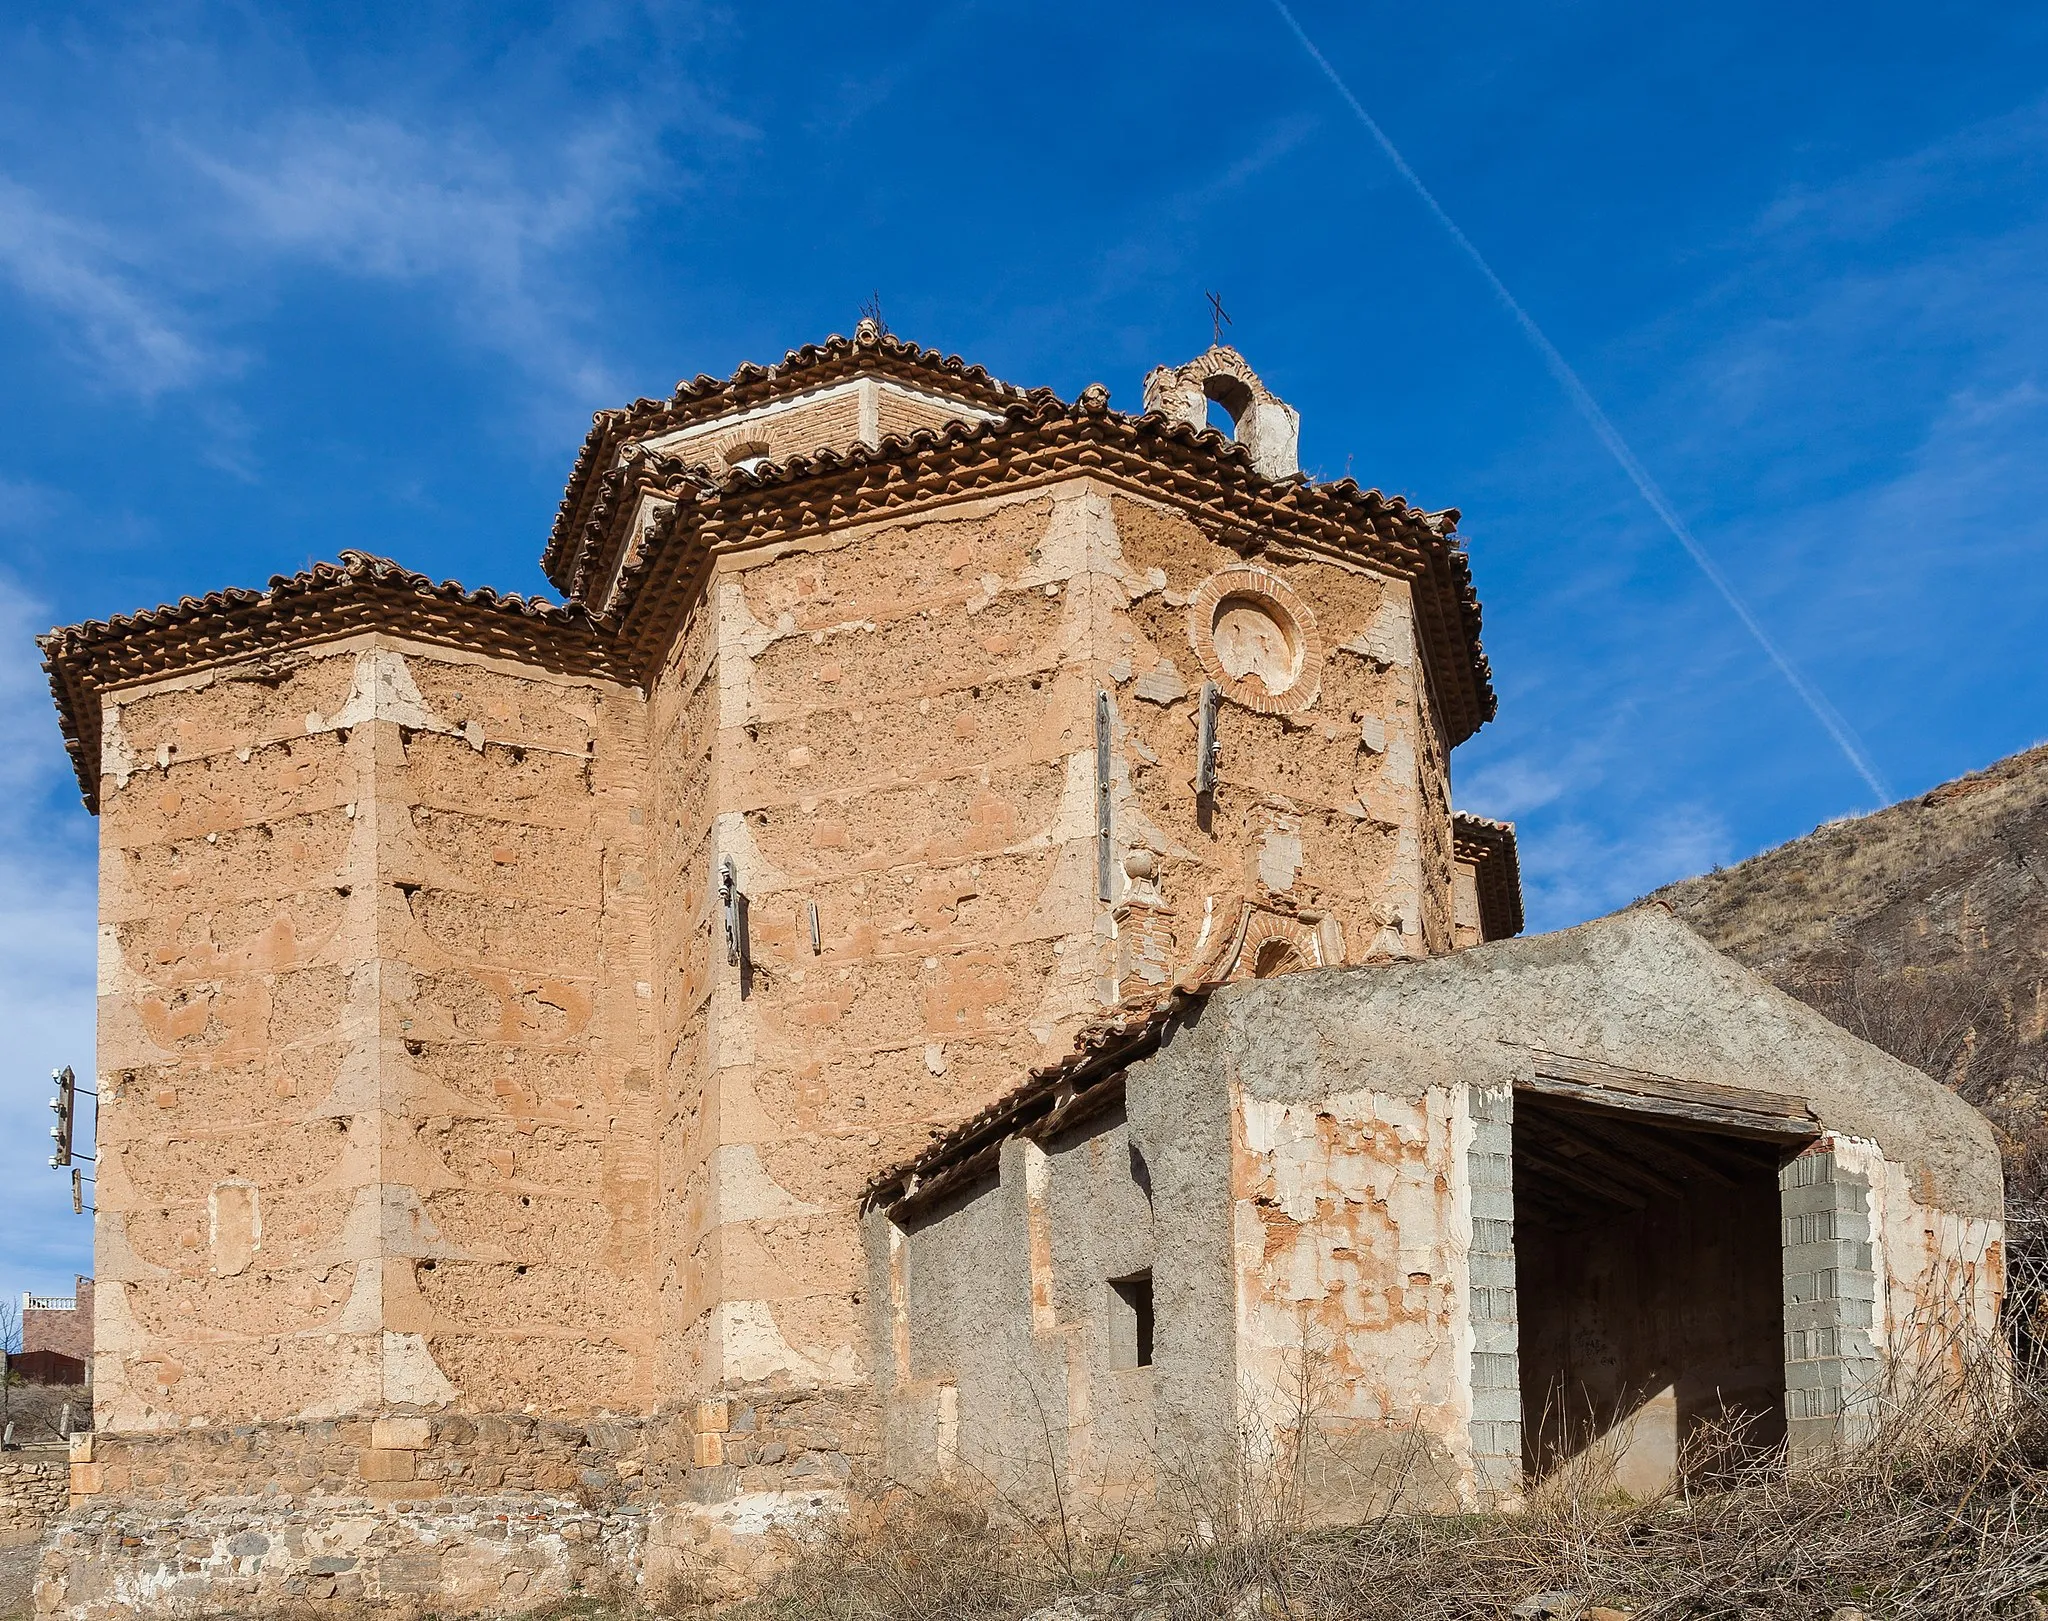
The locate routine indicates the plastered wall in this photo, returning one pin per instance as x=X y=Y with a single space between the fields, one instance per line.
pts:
x=1352 y=1225
x=374 y=1027
x=1010 y=1355
x=895 y=726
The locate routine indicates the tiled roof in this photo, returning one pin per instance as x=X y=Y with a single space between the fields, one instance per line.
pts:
x=1040 y=438
x=1052 y=1097
x=1490 y=847
x=1031 y=437
x=361 y=592
x=699 y=399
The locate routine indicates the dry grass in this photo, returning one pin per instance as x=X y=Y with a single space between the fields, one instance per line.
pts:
x=37 y=1411
x=1941 y=1514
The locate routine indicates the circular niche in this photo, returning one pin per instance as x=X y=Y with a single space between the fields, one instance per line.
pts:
x=1256 y=639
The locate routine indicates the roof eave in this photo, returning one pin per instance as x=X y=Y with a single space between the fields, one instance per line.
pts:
x=1042 y=440
x=705 y=398
x=361 y=593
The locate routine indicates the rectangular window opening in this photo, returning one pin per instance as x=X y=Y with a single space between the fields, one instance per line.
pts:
x=1132 y=1298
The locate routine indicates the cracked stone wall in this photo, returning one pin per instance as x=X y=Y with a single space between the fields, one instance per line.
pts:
x=373 y=1017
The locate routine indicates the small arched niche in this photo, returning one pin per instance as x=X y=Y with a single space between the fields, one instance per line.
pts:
x=1276 y=956
x=748 y=456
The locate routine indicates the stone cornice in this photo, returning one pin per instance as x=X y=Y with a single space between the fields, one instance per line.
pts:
x=1037 y=440
x=327 y=601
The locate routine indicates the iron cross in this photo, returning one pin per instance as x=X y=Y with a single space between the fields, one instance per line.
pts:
x=1219 y=317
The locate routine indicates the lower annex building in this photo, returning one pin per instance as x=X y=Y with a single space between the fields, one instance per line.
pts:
x=959 y=911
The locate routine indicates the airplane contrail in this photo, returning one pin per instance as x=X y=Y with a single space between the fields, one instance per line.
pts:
x=1604 y=430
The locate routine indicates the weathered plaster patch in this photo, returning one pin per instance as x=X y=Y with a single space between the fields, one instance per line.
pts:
x=381 y=689
x=742 y=1189
x=234 y=1226
x=412 y=1375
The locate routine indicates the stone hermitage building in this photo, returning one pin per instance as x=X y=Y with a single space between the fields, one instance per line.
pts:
x=511 y=1014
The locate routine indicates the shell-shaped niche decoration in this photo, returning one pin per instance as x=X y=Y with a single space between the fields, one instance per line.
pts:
x=1256 y=639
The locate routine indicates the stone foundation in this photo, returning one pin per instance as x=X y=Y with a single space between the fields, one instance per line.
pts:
x=31 y=1496
x=417 y=1512
x=426 y=1554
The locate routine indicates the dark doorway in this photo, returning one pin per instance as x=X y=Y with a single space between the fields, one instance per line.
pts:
x=1650 y=1292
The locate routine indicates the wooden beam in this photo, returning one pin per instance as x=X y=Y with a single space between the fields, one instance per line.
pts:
x=1647 y=1087
x=1585 y=1181
x=1671 y=1145
x=1714 y=1117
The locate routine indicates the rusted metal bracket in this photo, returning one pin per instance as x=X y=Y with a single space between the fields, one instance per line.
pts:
x=1105 y=865
x=731 y=900
x=1208 y=745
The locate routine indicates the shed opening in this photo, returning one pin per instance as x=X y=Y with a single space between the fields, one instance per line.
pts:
x=1649 y=1289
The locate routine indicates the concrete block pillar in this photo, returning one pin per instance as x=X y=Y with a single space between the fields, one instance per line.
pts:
x=1831 y=1361
x=1496 y=1334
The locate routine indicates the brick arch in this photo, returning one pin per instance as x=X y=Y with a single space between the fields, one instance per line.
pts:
x=1266 y=425
x=1285 y=942
x=1253 y=583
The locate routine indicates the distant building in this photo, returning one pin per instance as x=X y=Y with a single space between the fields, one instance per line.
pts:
x=56 y=1336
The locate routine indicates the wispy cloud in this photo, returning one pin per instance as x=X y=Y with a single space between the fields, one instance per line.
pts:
x=500 y=232
x=1860 y=423
x=91 y=280
x=210 y=169
x=1580 y=869
x=46 y=960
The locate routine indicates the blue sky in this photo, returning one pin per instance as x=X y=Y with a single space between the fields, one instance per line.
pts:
x=275 y=281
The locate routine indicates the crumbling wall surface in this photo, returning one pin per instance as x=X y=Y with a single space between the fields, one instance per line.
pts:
x=1333 y=816
x=904 y=776
x=896 y=726
x=734 y=1476
x=1325 y=1060
x=1006 y=1309
x=1943 y=1270
x=372 y=1005
x=682 y=737
x=904 y=752
x=1353 y=1223
x=1637 y=990
x=33 y=1489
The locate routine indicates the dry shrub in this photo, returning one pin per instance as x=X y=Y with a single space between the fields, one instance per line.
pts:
x=902 y=1555
x=1940 y=1512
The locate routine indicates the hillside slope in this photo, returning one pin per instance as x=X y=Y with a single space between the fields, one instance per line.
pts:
x=1922 y=928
